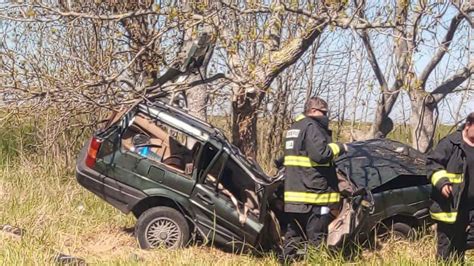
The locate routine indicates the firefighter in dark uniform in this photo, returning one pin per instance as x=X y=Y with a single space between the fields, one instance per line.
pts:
x=311 y=181
x=451 y=171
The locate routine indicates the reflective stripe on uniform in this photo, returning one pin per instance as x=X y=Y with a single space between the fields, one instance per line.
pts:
x=310 y=197
x=335 y=149
x=299 y=117
x=302 y=161
x=447 y=217
x=453 y=178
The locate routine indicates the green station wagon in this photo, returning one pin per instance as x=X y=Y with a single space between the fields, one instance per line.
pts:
x=179 y=176
x=184 y=181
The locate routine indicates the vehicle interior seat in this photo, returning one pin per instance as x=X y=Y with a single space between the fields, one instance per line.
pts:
x=170 y=150
x=157 y=136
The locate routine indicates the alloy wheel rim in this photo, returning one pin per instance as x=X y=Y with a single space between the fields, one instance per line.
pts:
x=163 y=231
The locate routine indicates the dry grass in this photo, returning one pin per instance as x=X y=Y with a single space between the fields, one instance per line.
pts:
x=40 y=195
x=58 y=215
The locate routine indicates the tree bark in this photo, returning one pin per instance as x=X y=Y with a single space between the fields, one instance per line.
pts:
x=197 y=96
x=422 y=120
x=423 y=105
x=197 y=101
x=244 y=123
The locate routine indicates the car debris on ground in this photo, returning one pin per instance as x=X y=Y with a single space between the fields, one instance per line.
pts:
x=64 y=259
x=12 y=230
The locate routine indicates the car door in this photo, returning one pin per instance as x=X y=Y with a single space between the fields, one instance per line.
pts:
x=216 y=212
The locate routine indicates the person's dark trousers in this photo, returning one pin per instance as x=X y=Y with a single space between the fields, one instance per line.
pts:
x=304 y=229
x=452 y=238
x=470 y=231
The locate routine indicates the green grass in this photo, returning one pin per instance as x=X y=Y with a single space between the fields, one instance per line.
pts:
x=40 y=195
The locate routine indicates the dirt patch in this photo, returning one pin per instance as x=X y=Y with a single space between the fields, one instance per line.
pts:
x=102 y=243
x=118 y=245
x=109 y=242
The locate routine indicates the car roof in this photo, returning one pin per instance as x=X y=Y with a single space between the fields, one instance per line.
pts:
x=373 y=163
x=185 y=117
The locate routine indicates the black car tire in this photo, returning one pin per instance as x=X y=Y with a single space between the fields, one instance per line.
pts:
x=402 y=230
x=394 y=230
x=162 y=226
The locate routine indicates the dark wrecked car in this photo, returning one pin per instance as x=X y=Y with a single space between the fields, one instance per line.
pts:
x=184 y=181
x=390 y=178
x=179 y=176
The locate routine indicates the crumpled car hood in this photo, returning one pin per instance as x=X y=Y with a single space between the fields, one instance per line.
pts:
x=373 y=163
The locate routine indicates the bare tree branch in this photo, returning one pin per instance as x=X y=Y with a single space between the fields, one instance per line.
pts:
x=358 y=23
x=341 y=20
x=450 y=84
x=135 y=13
x=466 y=11
x=198 y=82
x=438 y=56
x=373 y=60
x=261 y=9
x=360 y=13
x=288 y=55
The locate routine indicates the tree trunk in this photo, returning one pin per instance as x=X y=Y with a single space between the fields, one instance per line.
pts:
x=197 y=99
x=247 y=100
x=273 y=135
x=383 y=124
x=244 y=123
x=422 y=120
x=197 y=96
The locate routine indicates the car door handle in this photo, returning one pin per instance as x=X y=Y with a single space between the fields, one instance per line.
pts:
x=205 y=198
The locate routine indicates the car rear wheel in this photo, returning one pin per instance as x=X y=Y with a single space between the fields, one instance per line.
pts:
x=402 y=231
x=162 y=227
x=395 y=230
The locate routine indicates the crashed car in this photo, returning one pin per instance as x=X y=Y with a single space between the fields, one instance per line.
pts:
x=183 y=180
x=179 y=176
x=389 y=191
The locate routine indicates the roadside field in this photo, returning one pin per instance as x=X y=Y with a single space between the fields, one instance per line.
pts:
x=40 y=195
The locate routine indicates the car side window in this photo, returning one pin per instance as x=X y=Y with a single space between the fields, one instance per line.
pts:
x=235 y=179
x=161 y=143
x=206 y=157
x=233 y=183
x=212 y=175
